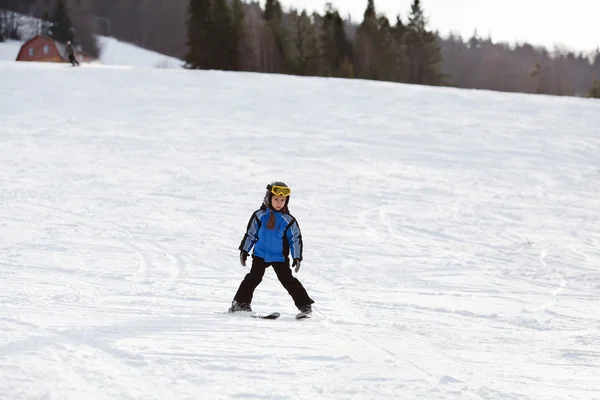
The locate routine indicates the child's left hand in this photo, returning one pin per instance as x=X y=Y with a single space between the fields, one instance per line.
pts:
x=296 y=264
x=243 y=257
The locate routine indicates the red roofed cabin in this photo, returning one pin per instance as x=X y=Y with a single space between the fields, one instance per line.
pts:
x=44 y=49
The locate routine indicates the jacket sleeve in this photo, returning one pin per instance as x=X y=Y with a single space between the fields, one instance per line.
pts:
x=251 y=235
x=294 y=237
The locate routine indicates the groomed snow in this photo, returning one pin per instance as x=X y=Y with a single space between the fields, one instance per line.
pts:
x=451 y=238
x=9 y=50
x=115 y=52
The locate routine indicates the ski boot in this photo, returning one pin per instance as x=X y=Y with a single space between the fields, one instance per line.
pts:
x=305 y=312
x=235 y=307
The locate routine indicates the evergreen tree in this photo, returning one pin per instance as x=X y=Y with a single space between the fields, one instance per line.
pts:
x=596 y=64
x=307 y=45
x=388 y=58
x=422 y=49
x=328 y=46
x=315 y=45
x=376 y=50
x=536 y=74
x=399 y=29
x=367 y=60
x=215 y=35
x=223 y=43
x=62 y=27
x=199 y=42
x=595 y=90
x=283 y=62
x=10 y=25
x=474 y=41
x=343 y=65
x=238 y=36
x=2 y=39
x=399 y=50
x=273 y=10
x=433 y=74
x=370 y=10
x=45 y=24
x=336 y=48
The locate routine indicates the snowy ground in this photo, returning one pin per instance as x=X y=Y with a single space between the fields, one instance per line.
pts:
x=115 y=52
x=452 y=238
x=9 y=50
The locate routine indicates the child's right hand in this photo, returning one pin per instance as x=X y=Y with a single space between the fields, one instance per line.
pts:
x=296 y=264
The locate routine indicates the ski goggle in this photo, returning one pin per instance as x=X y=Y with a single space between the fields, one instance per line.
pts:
x=280 y=190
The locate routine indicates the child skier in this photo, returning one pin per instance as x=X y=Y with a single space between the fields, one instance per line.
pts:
x=273 y=232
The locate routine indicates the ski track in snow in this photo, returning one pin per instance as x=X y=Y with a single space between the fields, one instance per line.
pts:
x=451 y=238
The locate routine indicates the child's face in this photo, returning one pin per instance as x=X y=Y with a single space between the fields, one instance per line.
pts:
x=277 y=202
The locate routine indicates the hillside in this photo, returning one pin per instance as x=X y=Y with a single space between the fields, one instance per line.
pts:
x=451 y=239
x=113 y=52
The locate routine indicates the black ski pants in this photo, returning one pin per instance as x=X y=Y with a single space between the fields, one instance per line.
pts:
x=73 y=60
x=284 y=274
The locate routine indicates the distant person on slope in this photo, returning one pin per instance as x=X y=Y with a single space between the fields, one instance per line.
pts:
x=273 y=232
x=71 y=53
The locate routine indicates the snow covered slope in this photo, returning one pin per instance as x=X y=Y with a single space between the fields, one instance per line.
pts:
x=452 y=238
x=9 y=50
x=113 y=52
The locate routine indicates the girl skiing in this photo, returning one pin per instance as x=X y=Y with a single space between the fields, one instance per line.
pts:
x=273 y=232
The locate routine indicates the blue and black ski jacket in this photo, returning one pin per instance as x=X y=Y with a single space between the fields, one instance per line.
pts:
x=273 y=245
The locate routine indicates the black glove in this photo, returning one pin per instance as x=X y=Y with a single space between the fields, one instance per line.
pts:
x=296 y=264
x=243 y=257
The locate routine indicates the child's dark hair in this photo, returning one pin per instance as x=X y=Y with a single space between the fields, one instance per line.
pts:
x=271 y=223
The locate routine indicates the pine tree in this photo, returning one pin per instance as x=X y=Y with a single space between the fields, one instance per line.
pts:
x=2 y=26
x=399 y=30
x=283 y=62
x=346 y=69
x=433 y=74
x=199 y=42
x=388 y=61
x=422 y=49
x=314 y=45
x=595 y=90
x=367 y=59
x=343 y=65
x=536 y=74
x=224 y=45
x=370 y=10
x=336 y=48
x=273 y=10
x=239 y=36
x=328 y=45
x=307 y=44
x=399 y=50
x=596 y=63
x=62 y=27
x=45 y=24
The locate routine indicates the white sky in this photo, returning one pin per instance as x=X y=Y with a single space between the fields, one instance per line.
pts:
x=540 y=22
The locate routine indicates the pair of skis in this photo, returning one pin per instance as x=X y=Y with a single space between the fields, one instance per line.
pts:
x=273 y=315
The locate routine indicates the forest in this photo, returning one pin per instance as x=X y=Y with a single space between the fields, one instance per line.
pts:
x=239 y=35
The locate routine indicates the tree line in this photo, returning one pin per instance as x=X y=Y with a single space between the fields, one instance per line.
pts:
x=220 y=36
x=226 y=35
x=245 y=36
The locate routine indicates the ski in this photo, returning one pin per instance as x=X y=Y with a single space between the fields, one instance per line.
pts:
x=273 y=315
